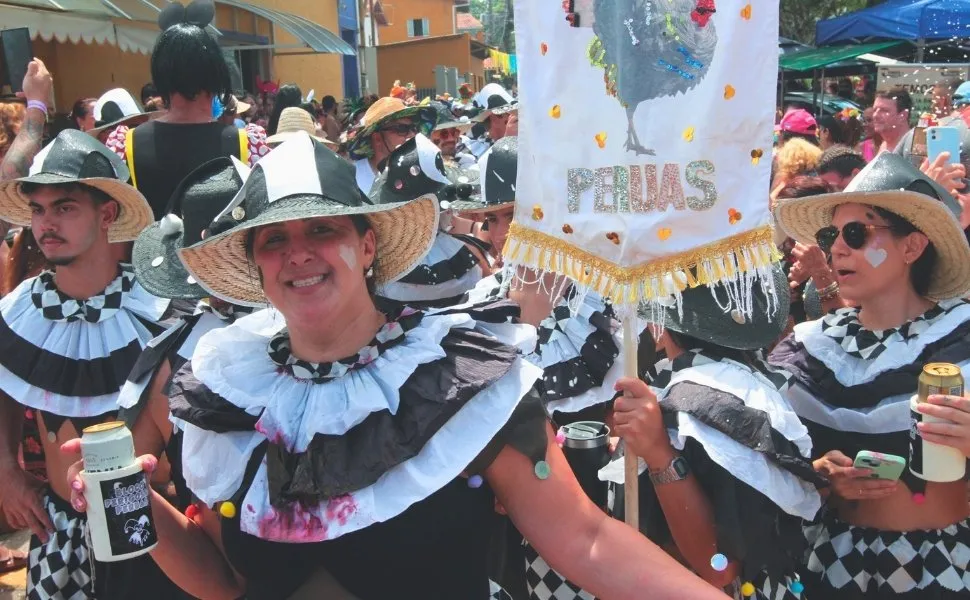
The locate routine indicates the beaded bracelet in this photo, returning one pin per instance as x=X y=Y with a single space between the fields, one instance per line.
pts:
x=829 y=292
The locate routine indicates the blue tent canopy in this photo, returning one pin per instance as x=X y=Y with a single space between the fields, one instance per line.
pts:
x=912 y=20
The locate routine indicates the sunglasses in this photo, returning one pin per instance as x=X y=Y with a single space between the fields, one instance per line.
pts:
x=855 y=235
x=455 y=191
x=402 y=128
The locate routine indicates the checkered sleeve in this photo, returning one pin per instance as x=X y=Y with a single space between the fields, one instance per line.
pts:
x=116 y=141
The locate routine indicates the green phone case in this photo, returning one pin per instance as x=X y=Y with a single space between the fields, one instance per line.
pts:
x=883 y=466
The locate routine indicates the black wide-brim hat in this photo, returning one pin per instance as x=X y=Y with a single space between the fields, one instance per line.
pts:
x=498 y=170
x=414 y=169
x=702 y=315
x=199 y=198
x=891 y=182
x=303 y=179
x=75 y=157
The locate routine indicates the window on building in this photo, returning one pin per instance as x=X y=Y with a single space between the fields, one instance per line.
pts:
x=418 y=28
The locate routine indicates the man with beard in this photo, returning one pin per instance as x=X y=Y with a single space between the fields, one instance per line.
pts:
x=67 y=341
x=446 y=135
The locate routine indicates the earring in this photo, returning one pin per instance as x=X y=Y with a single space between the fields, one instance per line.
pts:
x=369 y=272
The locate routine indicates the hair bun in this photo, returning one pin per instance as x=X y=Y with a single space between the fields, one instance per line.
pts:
x=199 y=13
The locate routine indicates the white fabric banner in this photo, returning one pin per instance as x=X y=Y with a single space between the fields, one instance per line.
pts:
x=646 y=131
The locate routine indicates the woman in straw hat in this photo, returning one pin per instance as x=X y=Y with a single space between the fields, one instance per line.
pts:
x=387 y=124
x=903 y=265
x=729 y=478
x=326 y=435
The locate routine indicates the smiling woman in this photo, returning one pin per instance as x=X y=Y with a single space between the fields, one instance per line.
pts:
x=902 y=261
x=326 y=435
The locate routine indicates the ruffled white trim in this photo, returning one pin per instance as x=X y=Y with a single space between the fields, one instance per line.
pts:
x=295 y=411
x=132 y=391
x=233 y=362
x=444 y=247
x=489 y=288
x=567 y=345
x=444 y=457
x=850 y=371
x=78 y=340
x=789 y=492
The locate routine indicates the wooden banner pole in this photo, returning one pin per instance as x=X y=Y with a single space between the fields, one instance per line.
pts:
x=631 y=487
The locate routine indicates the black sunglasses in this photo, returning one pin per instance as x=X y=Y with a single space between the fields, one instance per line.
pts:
x=854 y=234
x=402 y=128
x=457 y=190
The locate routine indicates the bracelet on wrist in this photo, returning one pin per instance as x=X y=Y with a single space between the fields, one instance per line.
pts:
x=41 y=106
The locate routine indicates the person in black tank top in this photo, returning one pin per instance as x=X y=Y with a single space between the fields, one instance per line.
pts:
x=189 y=73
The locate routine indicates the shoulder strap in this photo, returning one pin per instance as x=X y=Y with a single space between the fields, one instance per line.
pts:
x=130 y=154
x=244 y=146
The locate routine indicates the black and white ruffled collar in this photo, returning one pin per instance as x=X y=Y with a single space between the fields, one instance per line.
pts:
x=745 y=425
x=231 y=368
x=55 y=305
x=447 y=271
x=74 y=367
x=389 y=335
x=844 y=327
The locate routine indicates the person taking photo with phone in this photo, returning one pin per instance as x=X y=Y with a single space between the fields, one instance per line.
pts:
x=902 y=264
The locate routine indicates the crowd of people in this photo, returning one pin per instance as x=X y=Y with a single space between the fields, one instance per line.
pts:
x=338 y=389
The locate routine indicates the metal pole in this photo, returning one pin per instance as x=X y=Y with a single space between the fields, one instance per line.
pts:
x=361 y=56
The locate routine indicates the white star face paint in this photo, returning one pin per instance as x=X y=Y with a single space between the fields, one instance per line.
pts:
x=348 y=255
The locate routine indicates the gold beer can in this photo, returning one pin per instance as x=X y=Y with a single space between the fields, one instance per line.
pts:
x=942 y=379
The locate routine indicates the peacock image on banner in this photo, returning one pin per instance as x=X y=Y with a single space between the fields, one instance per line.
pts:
x=645 y=139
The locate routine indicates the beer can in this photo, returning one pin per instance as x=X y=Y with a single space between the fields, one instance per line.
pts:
x=927 y=460
x=116 y=488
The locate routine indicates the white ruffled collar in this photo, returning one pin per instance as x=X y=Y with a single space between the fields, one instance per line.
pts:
x=113 y=339
x=899 y=351
x=233 y=363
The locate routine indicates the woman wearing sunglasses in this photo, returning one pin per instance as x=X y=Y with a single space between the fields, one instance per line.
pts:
x=902 y=264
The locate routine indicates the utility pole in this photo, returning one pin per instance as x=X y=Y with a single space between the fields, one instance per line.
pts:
x=361 y=58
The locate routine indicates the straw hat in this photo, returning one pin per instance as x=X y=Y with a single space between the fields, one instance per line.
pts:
x=893 y=183
x=303 y=179
x=76 y=157
x=199 y=199
x=117 y=107
x=294 y=120
x=382 y=112
x=702 y=316
x=498 y=169
x=237 y=106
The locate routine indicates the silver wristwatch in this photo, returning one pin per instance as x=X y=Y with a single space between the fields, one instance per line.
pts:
x=677 y=470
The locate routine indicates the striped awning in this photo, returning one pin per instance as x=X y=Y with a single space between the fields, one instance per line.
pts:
x=103 y=21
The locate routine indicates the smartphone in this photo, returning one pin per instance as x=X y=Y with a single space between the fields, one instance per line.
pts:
x=943 y=139
x=883 y=466
x=17 y=53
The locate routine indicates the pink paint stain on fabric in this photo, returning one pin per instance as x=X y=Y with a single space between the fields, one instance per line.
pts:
x=291 y=523
x=341 y=508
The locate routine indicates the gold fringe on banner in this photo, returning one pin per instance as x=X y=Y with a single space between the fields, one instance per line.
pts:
x=720 y=262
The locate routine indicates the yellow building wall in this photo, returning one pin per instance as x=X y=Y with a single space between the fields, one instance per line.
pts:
x=88 y=70
x=440 y=15
x=415 y=61
x=320 y=72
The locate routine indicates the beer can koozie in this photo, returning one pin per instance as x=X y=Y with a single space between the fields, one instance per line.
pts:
x=929 y=461
x=119 y=500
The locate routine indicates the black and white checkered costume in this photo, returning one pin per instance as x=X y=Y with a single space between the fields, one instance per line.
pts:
x=63 y=567
x=58 y=306
x=863 y=561
x=545 y=583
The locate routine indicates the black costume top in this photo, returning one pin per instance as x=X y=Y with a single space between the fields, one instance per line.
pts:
x=359 y=466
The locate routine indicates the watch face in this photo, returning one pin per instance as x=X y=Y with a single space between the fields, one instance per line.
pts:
x=681 y=467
